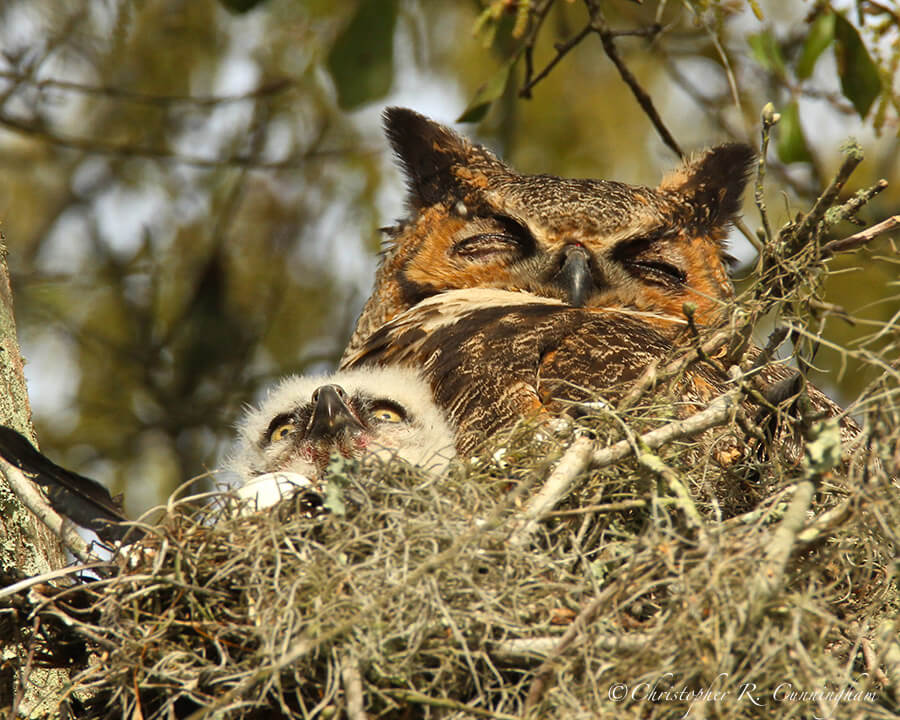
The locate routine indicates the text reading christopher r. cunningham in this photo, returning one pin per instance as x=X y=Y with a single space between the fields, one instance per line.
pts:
x=666 y=689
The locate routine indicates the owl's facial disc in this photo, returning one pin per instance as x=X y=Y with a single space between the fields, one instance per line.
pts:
x=331 y=415
x=574 y=277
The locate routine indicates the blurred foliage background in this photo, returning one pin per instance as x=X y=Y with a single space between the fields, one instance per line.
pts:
x=191 y=189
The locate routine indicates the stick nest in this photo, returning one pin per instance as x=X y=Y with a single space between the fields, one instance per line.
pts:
x=419 y=601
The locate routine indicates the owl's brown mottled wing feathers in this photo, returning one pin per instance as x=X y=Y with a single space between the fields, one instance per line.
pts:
x=493 y=357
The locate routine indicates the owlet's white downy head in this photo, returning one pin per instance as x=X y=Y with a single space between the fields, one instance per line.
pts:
x=285 y=443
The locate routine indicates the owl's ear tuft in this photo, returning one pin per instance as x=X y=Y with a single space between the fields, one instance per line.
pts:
x=429 y=152
x=713 y=183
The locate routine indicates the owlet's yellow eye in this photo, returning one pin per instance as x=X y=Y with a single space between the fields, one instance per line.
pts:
x=282 y=431
x=386 y=414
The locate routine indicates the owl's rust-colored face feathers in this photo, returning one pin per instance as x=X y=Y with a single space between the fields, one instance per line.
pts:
x=475 y=222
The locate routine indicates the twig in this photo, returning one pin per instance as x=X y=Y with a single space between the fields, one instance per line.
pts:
x=607 y=37
x=538 y=16
x=584 y=453
x=353 y=689
x=713 y=343
x=647 y=379
x=770 y=575
x=773 y=342
x=641 y=95
x=807 y=226
x=885 y=9
x=599 y=509
x=527 y=648
x=849 y=209
x=272 y=87
x=892 y=661
x=31 y=498
x=575 y=461
x=717 y=413
x=863 y=237
x=769 y=118
x=545 y=671
x=824 y=524
x=416 y=697
x=689 y=309
x=46 y=577
x=562 y=49
x=871 y=659
x=99 y=147
x=26 y=672
x=683 y=496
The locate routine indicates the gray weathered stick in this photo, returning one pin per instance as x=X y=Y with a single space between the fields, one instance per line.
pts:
x=852 y=242
x=31 y=498
x=353 y=688
x=770 y=574
x=583 y=454
x=575 y=461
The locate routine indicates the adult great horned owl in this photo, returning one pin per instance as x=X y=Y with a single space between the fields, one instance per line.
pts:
x=369 y=413
x=475 y=222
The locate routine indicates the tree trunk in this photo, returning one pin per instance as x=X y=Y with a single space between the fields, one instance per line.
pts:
x=26 y=545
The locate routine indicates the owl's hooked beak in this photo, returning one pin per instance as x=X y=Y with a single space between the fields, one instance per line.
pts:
x=331 y=414
x=574 y=277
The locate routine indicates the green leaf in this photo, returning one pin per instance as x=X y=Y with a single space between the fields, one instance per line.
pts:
x=766 y=51
x=757 y=10
x=487 y=93
x=361 y=61
x=860 y=81
x=819 y=37
x=791 y=144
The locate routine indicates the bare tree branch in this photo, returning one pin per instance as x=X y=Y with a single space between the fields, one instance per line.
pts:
x=770 y=574
x=273 y=87
x=863 y=237
x=31 y=498
x=99 y=147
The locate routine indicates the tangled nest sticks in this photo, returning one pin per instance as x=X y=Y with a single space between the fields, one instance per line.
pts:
x=613 y=572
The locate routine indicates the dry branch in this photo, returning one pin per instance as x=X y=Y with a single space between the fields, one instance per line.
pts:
x=353 y=689
x=571 y=466
x=861 y=238
x=31 y=498
x=807 y=227
x=642 y=96
x=770 y=574
x=583 y=454
x=99 y=146
x=718 y=412
x=274 y=86
x=545 y=671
